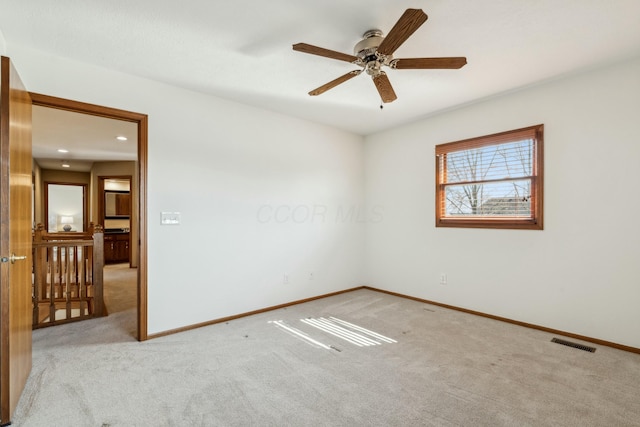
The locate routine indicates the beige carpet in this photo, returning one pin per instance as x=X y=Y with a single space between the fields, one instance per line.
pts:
x=120 y=287
x=446 y=368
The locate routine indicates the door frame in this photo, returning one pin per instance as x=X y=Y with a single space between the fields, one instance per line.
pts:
x=142 y=121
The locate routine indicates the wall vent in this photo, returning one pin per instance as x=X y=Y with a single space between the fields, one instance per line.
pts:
x=574 y=345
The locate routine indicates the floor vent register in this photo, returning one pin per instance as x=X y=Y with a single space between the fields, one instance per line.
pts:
x=574 y=345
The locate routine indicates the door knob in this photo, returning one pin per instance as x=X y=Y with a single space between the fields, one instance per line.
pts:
x=15 y=258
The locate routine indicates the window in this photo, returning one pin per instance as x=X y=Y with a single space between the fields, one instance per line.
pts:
x=493 y=181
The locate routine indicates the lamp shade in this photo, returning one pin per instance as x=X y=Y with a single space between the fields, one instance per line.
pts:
x=67 y=221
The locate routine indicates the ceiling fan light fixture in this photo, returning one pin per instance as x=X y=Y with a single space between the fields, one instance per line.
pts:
x=373 y=68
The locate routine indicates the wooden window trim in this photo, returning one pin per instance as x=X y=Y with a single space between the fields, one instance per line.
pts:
x=536 y=220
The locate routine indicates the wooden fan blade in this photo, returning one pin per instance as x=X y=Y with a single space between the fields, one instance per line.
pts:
x=333 y=83
x=384 y=87
x=315 y=50
x=428 y=63
x=408 y=23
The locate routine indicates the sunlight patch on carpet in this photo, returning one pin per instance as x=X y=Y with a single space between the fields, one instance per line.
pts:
x=349 y=332
x=299 y=334
x=354 y=334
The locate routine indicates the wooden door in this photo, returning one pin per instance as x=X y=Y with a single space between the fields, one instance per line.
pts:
x=15 y=239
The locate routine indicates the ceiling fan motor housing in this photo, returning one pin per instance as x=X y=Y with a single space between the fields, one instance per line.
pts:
x=366 y=48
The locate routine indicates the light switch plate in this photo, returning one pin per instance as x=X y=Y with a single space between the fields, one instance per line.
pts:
x=170 y=218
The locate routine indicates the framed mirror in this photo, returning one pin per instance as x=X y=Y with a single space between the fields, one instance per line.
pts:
x=65 y=207
x=117 y=204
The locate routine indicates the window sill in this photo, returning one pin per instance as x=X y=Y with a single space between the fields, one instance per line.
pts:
x=501 y=223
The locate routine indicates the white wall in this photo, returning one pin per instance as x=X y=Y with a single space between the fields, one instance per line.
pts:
x=3 y=45
x=581 y=274
x=223 y=166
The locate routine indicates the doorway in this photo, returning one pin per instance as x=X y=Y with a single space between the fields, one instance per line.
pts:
x=115 y=215
x=139 y=183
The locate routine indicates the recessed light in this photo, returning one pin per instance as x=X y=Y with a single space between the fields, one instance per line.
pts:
x=121 y=138
x=65 y=164
x=62 y=150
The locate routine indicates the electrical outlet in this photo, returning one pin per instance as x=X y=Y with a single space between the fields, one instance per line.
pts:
x=443 y=278
x=285 y=278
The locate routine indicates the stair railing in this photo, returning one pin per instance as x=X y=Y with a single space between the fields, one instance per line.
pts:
x=67 y=276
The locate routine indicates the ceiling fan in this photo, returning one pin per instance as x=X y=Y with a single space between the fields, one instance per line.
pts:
x=375 y=51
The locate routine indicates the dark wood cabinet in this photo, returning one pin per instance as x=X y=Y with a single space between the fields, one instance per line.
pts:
x=123 y=204
x=116 y=248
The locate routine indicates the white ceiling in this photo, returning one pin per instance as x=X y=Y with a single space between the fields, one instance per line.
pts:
x=86 y=138
x=241 y=50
